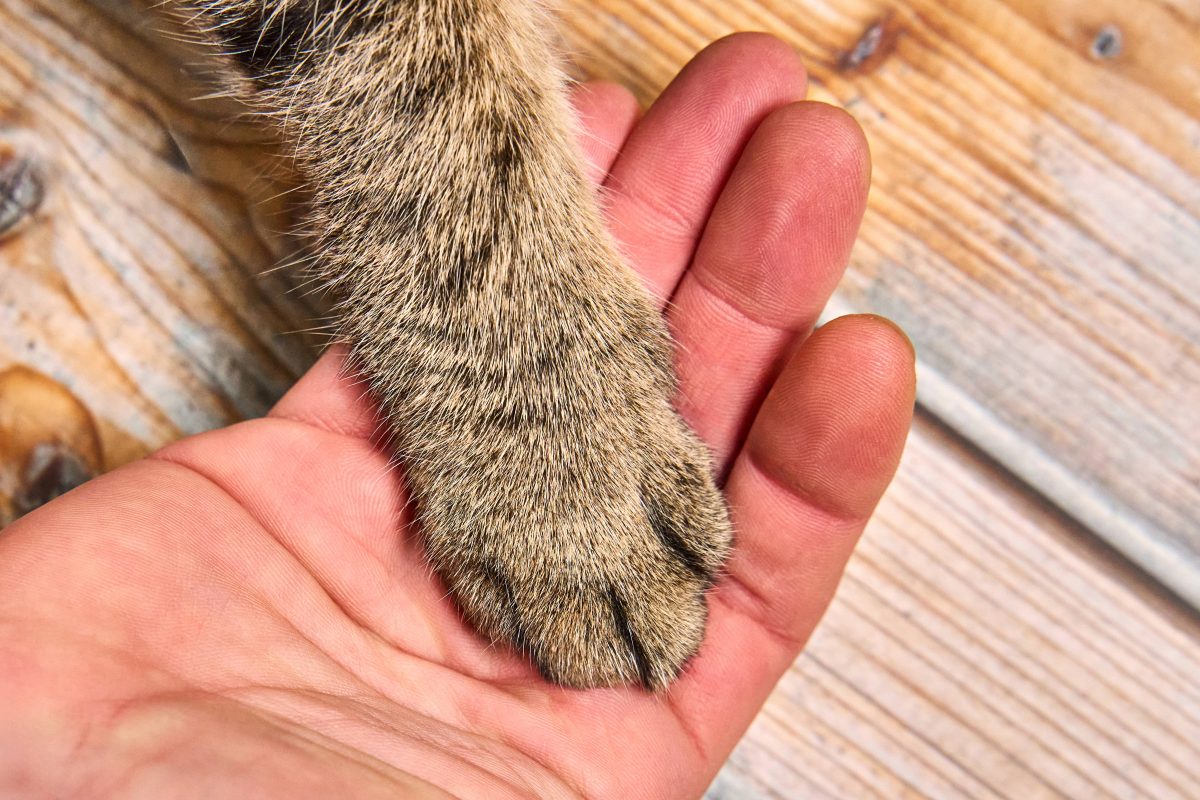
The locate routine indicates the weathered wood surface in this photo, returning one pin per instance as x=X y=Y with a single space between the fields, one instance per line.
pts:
x=1034 y=223
x=981 y=645
x=136 y=283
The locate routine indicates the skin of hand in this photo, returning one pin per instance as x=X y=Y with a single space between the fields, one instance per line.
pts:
x=247 y=613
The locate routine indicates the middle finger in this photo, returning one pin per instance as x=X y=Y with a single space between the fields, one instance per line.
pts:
x=775 y=248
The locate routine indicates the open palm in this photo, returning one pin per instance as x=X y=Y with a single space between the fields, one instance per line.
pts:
x=248 y=612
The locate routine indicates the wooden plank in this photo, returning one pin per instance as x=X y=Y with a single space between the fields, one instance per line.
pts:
x=138 y=284
x=981 y=647
x=1034 y=223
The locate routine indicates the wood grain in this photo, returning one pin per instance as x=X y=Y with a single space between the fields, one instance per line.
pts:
x=979 y=646
x=138 y=282
x=1034 y=224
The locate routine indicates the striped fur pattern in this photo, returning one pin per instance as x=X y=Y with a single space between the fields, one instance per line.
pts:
x=523 y=371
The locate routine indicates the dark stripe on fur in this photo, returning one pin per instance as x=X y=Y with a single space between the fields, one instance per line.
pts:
x=271 y=44
x=675 y=544
x=520 y=638
x=512 y=143
x=262 y=46
x=625 y=628
x=465 y=271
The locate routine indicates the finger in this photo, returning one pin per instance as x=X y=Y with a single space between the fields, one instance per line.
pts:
x=606 y=112
x=667 y=178
x=333 y=398
x=820 y=454
x=774 y=250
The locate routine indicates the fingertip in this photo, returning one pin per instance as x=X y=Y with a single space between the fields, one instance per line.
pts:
x=834 y=426
x=607 y=112
x=764 y=53
x=782 y=232
x=330 y=396
x=702 y=120
x=733 y=84
x=844 y=146
x=876 y=343
x=607 y=96
x=823 y=149
x=887 y=337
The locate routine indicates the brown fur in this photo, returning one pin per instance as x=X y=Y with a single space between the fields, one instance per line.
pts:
x=523 y=371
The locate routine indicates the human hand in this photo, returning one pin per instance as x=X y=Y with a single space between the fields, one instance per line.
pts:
x=248 y=612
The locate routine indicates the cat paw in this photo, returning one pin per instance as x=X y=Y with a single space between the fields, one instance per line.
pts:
x=591 y=557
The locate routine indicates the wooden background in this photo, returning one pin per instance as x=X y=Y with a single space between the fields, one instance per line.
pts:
x=1035 y=225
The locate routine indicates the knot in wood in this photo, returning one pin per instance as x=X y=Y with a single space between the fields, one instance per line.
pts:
x=52 y=469
x=872 y=48
x=1107 y=43
x=20 y=191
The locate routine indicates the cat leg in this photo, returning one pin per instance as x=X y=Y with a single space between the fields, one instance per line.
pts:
x=524 y=372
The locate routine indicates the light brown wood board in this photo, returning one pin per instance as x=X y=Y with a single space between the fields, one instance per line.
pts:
x=980 y=647
x=140 y=286
x=1034 y=223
